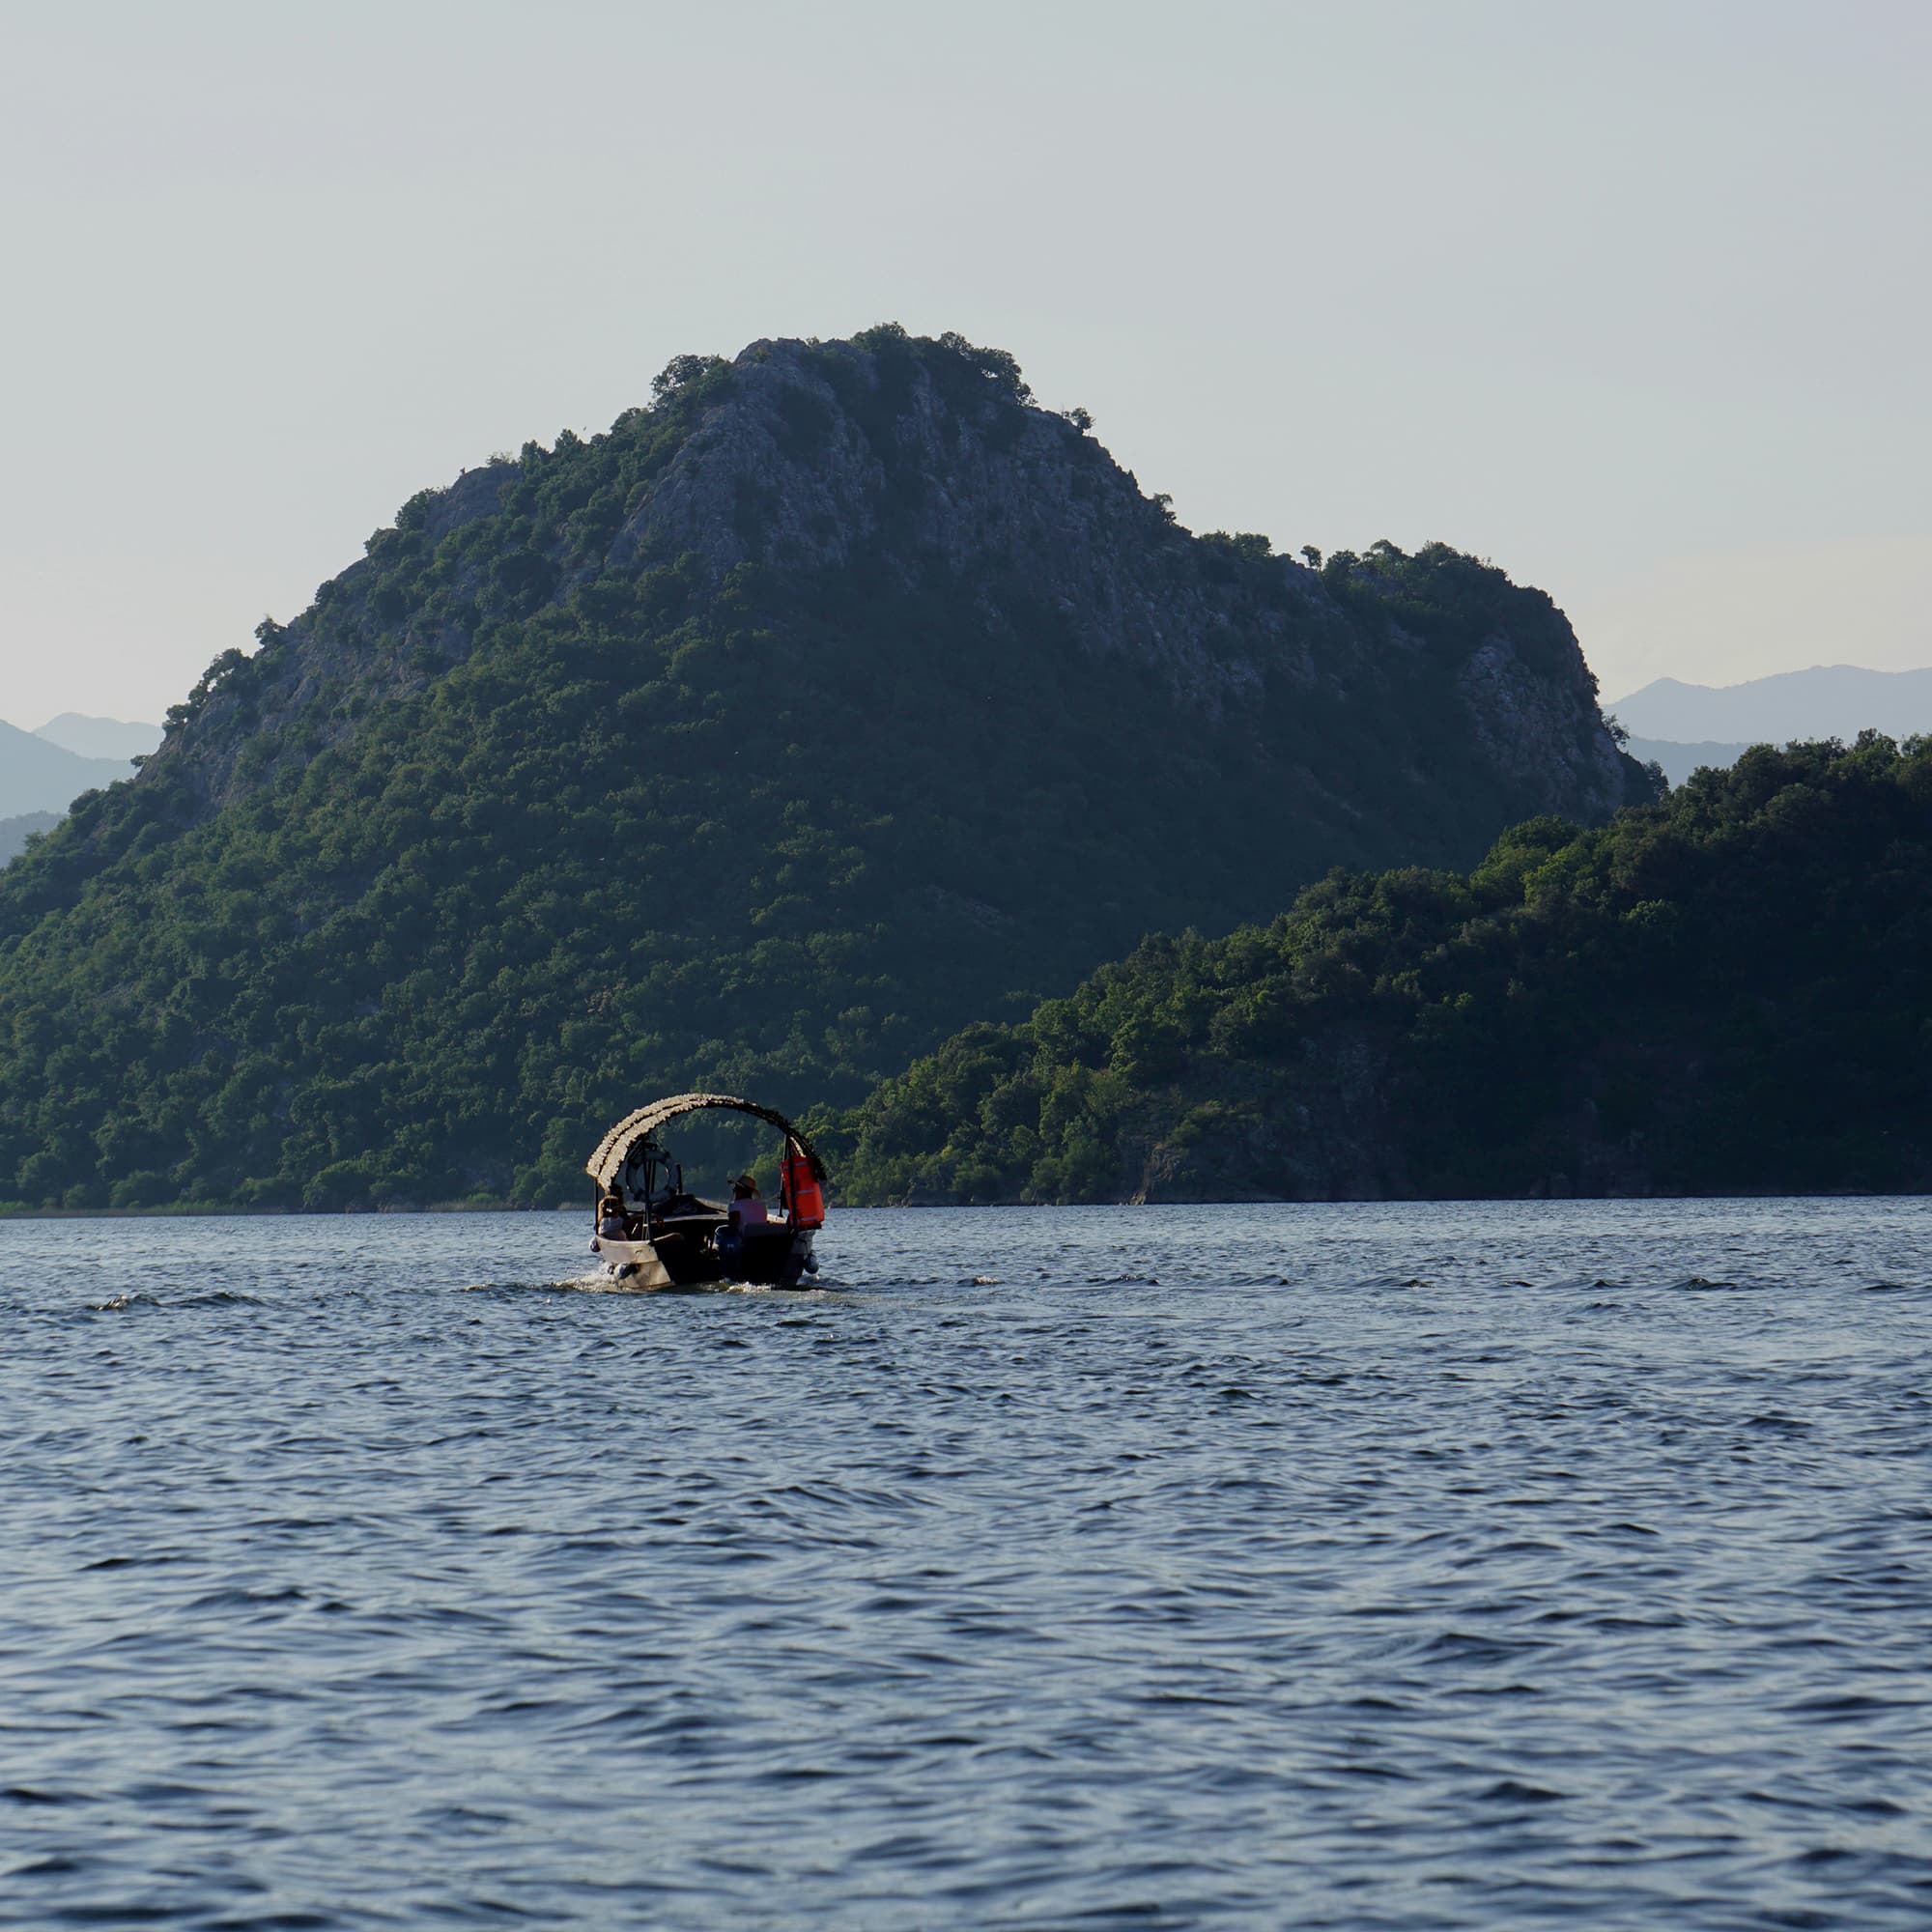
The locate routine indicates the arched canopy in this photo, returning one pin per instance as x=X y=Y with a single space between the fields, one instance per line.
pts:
x=614 y=1150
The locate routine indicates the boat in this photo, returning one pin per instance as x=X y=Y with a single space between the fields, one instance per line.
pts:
x=671 y=1237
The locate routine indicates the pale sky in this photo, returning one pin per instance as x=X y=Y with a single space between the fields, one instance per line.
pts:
x=1631 y=299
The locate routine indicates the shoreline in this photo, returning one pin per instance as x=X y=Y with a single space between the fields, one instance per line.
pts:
x=212 y=1212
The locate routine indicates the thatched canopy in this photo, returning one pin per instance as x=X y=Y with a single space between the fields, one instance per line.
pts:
x=614 y=1150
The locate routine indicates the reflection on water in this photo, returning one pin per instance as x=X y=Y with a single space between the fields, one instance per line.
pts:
x=1352 y=1566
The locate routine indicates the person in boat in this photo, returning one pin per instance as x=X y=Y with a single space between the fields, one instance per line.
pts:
x=611 y=1223
x=747 y=1204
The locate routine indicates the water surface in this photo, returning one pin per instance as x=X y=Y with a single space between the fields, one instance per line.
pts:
x=1484 y=1566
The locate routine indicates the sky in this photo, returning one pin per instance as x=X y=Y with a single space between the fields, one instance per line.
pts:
x=1630 y=298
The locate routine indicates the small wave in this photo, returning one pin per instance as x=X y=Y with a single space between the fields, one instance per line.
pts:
x=142 y=1298
x=576 y=1284
x=1466 y=1647
x=1513 y=1790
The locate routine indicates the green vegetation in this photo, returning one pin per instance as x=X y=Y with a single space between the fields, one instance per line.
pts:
x=1730 y=991
x=629 y=766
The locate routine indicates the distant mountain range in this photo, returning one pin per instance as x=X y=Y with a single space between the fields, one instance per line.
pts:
x=45 y=771
x=1826 y=701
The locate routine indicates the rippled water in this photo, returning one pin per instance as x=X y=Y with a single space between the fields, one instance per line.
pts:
x=1344 y=1566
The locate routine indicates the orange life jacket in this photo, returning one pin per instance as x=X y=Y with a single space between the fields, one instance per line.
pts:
x=802 y=1194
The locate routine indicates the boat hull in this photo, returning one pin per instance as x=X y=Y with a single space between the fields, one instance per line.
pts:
x=769 y=1257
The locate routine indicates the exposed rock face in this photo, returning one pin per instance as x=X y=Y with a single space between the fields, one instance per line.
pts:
x=812 y=457
x=996 y=485
x=1528 y=727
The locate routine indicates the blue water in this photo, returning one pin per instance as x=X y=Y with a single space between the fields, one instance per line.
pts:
x=1485 y=1566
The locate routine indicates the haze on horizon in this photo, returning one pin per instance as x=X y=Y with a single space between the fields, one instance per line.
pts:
x=1629 y=300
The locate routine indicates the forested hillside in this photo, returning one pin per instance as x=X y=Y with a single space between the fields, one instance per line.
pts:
x=1730 y=991
x=838 y=698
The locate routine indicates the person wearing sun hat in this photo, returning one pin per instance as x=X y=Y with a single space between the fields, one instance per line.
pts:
x=747 y=1204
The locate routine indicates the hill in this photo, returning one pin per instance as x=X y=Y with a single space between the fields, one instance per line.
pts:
x=1726 y=992
x=842 y=696
x=37 y=776
x=1826 y=701
x=1678 y=761
x=14 y=831
x=101 y=737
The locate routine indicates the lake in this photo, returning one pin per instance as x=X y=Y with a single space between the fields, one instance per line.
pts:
x=1485 y=1565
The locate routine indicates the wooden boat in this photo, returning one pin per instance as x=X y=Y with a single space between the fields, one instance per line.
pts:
x=673 y=1238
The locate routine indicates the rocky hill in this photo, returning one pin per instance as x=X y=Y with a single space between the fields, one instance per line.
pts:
x=840 y=696
x=1723 y=993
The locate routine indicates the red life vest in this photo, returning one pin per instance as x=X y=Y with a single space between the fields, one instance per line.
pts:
x=802 y=1194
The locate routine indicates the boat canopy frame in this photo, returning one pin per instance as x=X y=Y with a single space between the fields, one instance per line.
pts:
x=608 y=1162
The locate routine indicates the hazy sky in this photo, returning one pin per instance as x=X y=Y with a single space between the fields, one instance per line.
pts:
x=1631 y=299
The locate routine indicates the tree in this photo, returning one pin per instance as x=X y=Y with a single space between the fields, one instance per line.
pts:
x=677 y=372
